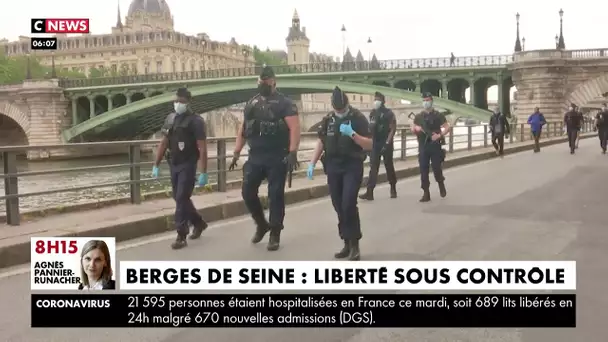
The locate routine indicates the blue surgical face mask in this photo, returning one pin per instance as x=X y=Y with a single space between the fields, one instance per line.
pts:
x=377 y=104
x=427 y=104
x=180 y=108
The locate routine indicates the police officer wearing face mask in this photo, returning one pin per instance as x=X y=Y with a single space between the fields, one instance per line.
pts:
x=601 y=122
x=344 y=136
x=382 y=125
x=430 y=126
x=184 y=136
x=271 y=127
x=500 y=129
x=573 y=121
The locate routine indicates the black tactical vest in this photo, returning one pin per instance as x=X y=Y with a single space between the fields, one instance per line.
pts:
x=380 y=124
x=265 y=130
x=182 y=139
x=336 y=145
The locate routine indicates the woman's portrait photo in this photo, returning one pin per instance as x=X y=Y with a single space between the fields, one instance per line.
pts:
x=96 y=267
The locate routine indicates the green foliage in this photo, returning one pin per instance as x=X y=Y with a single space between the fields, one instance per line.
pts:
x=14 y=70
x=266 y=57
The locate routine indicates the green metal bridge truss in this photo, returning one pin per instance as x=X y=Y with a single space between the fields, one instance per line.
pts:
x=144 y=118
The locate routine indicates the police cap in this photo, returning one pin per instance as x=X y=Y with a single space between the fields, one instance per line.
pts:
x=378 y=95
x=183 y=92
x=339 y=100
x=266 y=73
x=427 y=95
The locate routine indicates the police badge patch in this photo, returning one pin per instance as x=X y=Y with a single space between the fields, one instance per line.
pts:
x=181 y=146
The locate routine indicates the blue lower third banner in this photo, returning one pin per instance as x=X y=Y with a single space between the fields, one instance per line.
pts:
x=305 y=310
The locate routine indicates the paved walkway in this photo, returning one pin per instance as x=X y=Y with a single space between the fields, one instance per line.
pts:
x=89 y=220
x=547 y=206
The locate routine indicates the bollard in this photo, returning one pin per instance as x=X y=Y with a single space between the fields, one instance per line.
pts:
x=522 y=134
x=451 y=141
x=469 y=137
x=221 y=166
x=135 y=173
x=11 y=188
x=403 y=143
x=485 y=135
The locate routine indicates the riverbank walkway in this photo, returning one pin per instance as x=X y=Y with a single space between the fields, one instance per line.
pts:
x=547 y=206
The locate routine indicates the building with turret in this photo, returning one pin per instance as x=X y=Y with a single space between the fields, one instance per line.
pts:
x=298 y=52
x=144 y=43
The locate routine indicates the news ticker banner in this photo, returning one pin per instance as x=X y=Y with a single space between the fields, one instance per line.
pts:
x=304 y=310
x=346 y=275
x=63 y=263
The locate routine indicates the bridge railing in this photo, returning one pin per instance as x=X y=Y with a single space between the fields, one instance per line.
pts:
x=321 y=67
x=132 y=188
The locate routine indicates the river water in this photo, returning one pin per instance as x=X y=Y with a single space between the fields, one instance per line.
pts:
x=30 y=184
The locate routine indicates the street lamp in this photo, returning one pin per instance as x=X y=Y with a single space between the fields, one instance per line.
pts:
x=523 y=44
x=204 y=44
x=369 y=52
x=53 y=71
x=28 y=68
x=245 y=53
x=343 y=30
x=517 y=41
x=561 y=44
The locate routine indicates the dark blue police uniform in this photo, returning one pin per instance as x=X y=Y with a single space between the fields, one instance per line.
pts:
x=267 y=135
x=381 y=120
x=430 y=153
x=183 y=131
x=343 y=163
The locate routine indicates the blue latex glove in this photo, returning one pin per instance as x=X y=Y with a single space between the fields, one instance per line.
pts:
x=311 y=171
x=347 y=129
x=155 y=171
x=203 y=179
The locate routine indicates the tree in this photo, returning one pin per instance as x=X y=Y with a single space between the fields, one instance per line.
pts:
x=14 y=69
x=124 y=70
x=266 y=57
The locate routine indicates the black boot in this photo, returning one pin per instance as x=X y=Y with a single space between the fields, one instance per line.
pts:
x=368 y=195
x=442 y=191
x=426 y=197
x=344 y=252
x=260 y=232
x=198 y=230
x=275 y=239
x=354 y=254
x=180 y=242
x=393 y=191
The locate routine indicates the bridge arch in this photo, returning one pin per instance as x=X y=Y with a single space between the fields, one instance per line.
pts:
x=147 y=116
x=588 y=91
x=14 y=125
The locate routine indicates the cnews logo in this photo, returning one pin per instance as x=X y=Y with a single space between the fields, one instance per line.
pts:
x=60 y=25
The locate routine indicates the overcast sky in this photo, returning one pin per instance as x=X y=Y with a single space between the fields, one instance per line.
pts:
x=398 y=29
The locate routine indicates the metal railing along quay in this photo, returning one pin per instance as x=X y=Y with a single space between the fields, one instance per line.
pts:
x=461 y=138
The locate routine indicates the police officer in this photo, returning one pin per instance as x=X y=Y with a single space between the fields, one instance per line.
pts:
x=601 y=122
x=271 y=128
x=344 y=136
x=383 y=125
x=500 y=129
x=430 y=126
x=572 y=124
x=184 y=135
